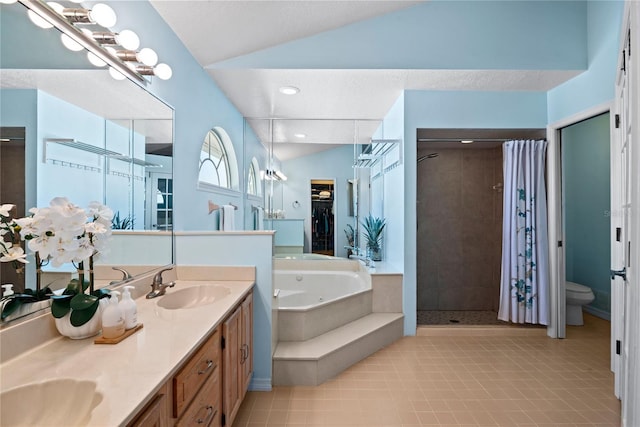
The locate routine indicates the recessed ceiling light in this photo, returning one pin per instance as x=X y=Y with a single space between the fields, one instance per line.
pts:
x=467 y=141
x=300 y=135
x=289 y=90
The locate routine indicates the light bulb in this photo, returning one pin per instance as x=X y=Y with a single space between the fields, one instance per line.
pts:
x=38 y=20
x=76 y=1
x=148 y=56
x=70 y=43
x=116 y=74
x=163 y=71
x=103 y=15
x=8 y=1
x=128 y=39
x=95 y=60
x=56 y=6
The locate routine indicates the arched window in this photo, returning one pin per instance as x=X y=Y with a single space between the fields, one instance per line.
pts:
x=218 y=166
x=253 y=179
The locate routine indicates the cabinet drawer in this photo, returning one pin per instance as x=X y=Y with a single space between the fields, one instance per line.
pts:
x=205 y=408
x=189 y=380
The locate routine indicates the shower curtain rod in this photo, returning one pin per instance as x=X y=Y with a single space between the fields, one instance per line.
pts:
x=473 y=139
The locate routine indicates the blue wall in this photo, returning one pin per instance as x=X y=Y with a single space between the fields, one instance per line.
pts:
x=587 y=201
x=596 y=85
x=336 y=164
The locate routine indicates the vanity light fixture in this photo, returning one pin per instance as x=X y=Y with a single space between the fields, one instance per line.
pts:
x=123 y=63
x=274 y=175
x=467 y=141
x=289 y=90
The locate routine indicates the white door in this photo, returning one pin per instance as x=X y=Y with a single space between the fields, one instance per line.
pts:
x=159 y=206
x=625 y=201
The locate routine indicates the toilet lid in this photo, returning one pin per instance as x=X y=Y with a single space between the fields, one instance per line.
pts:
x=579 y=289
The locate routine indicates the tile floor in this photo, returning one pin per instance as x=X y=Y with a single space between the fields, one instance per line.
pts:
x=458 y=317
x=469 y=378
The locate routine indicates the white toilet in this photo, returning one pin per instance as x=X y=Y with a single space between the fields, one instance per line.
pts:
x=577 y=296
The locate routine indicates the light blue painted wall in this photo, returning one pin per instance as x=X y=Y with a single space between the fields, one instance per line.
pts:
x=452 y=35
x=231 y=250
x=425 y=109
x=199 y=106
x=336 y=164
x=596 y=85
x=587 y=202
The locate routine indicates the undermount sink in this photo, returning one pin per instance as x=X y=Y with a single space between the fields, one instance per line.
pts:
x=194 y=296
x=60 y=402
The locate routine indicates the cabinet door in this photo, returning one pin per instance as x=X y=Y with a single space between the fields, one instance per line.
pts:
x=205 y=408
x=246 y=361
x=231 y=397
x=155 y=414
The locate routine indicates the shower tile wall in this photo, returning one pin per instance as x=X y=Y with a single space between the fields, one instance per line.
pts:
x=459 y=229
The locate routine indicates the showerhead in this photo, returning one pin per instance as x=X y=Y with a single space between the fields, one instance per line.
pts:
x=427 y=156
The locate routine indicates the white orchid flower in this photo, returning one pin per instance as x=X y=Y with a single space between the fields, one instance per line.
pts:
x=15 y=253
x=100 y=212
x=95 y=228
x=6 y=209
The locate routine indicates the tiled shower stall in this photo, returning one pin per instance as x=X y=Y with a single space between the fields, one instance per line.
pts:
x=459 y=210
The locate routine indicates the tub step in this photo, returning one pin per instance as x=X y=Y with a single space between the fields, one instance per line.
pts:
x=316 y=360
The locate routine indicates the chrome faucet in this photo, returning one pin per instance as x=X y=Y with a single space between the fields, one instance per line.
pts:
x=126 y=276
x=157 y=287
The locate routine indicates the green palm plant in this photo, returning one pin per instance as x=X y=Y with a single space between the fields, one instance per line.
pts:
x=373 y=227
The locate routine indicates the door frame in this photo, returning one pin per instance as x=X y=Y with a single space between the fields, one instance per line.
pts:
x=558 y=322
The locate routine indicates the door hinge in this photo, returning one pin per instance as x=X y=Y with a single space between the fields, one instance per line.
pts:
x=617 y=120
x=618 y=348
x=559 y=243
x=629 y=47
x=629 y=254
x=618 y=234
x=222 y=343
x=223 y=420
x=624 y=61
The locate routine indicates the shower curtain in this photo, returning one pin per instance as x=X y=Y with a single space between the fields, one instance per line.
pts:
x=524 y=284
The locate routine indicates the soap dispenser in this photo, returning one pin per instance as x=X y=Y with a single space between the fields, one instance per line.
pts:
x=129 y=309
x=8 y=289
x=112 y=318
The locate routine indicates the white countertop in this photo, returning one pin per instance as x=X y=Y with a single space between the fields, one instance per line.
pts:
x=130 y=372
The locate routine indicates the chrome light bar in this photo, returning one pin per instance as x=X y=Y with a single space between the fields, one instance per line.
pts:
x=59 y=22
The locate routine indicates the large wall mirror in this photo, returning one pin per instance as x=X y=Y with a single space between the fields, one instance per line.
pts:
x=83 y=135
x=346 y=153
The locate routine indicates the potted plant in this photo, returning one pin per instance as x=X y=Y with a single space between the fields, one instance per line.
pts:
x=373 y=227
x=65 y=233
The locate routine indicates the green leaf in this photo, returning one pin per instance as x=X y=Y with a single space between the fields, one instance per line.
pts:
x=82 y=301
x=80 y=317
x=60 y=305
x=101 y=293
x=72 y=288
x=10 y=307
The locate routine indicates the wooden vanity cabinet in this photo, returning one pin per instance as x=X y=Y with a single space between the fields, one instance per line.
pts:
x=197 y=394
x=156 y=413
x=209 y=388
x=237 y=357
